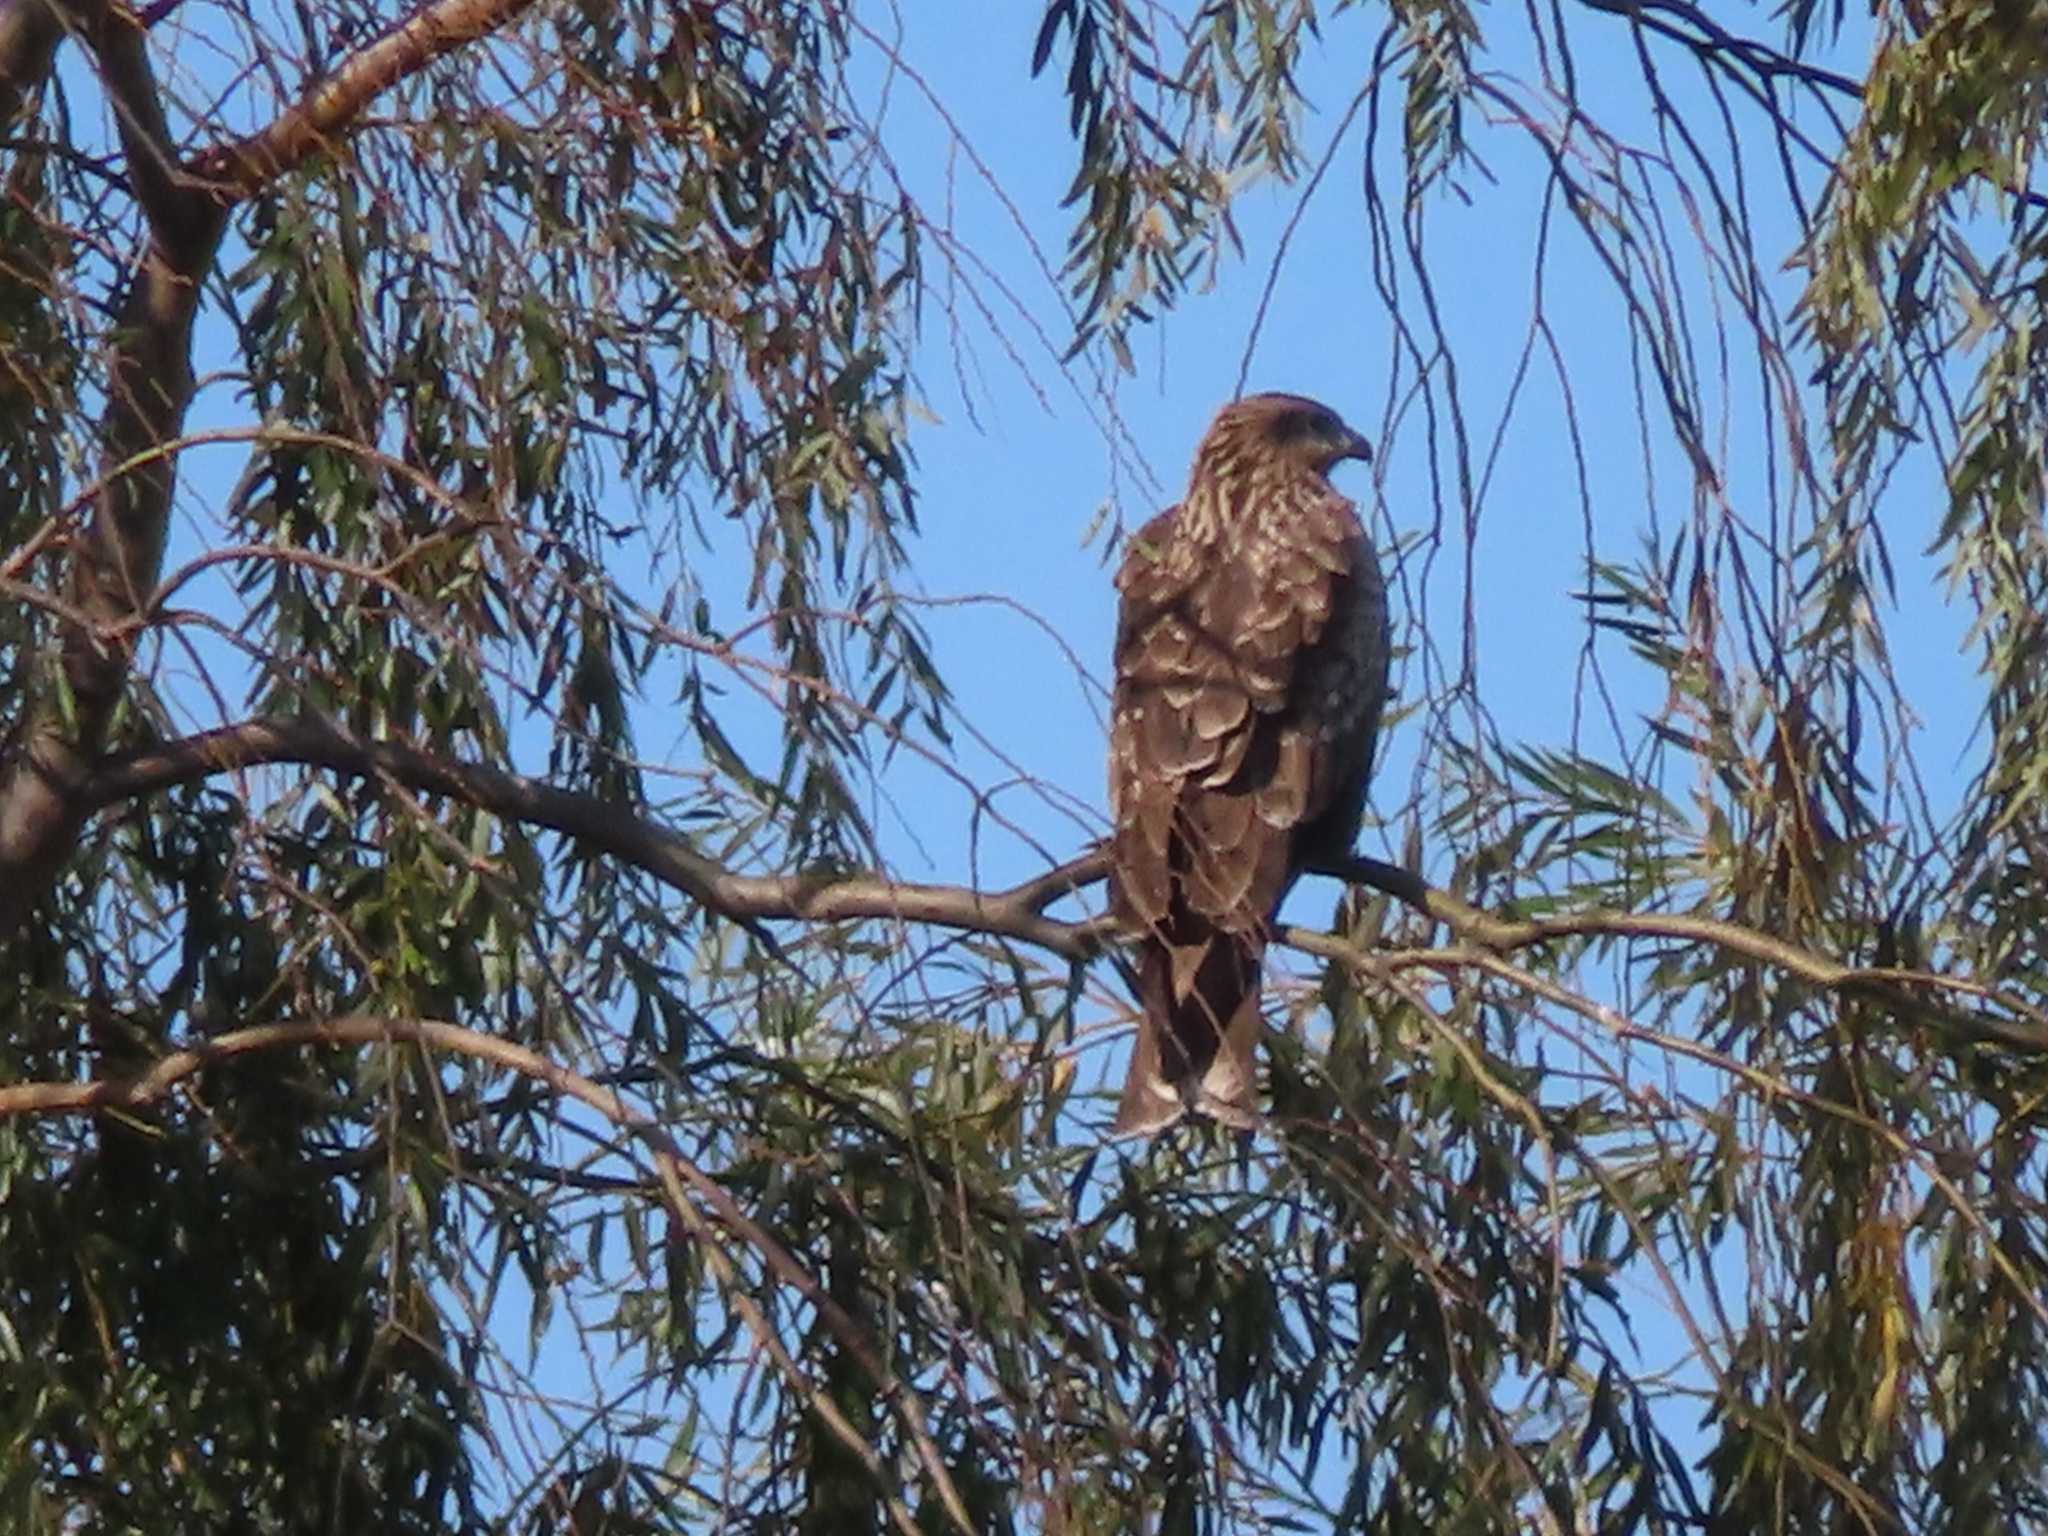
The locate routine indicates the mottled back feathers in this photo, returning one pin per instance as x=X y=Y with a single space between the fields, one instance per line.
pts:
x=1251 y=671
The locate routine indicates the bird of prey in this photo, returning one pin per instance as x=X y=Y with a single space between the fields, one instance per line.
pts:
x=1251 y=671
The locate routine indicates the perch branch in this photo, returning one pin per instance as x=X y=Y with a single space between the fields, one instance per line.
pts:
x=1018 y=912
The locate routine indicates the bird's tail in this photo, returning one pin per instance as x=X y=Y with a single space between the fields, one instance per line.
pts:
x=1197 y=1034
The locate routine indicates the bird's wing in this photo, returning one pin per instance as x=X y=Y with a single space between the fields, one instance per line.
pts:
x=1233 y=744
x=1216 y=755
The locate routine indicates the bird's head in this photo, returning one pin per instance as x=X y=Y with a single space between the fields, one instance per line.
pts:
x=1293 y=429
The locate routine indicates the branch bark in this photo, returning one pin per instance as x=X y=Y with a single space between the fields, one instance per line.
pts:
x=1018 y=912
x=1890 y=987
x=29 y=33
x=242 y=169
x=118 y=554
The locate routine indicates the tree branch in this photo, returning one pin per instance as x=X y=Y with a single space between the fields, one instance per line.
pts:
x=1708 y=36
x=117 y=553
x=120 y=551
x=676 y=1172
x=1016 y=913
x=29 y=33
x=1367 y=963
x=182 y=219
x=240 y=170
x=1892 y=987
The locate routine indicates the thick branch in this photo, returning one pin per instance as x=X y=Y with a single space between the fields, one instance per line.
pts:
x=181 y=218
x=676 y=1171
x=1018 y=912
x=246 y=167
x=119 y=553
x=29 y=33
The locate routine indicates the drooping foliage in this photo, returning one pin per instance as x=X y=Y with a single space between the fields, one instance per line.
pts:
x=473 y=1057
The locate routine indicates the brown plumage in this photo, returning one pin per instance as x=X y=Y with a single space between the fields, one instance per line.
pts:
x=1251 y=669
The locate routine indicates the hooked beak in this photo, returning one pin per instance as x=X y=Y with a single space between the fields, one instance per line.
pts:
x=1357 y=448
